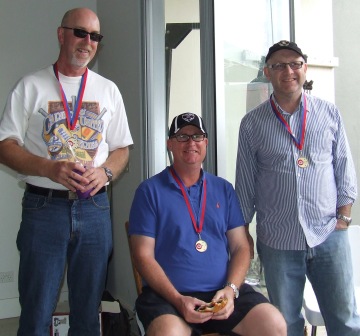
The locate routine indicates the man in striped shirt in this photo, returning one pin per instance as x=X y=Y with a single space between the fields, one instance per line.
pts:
x=295 y=170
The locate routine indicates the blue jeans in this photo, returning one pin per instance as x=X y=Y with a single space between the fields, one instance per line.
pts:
x=329 y=269
x=55 y=232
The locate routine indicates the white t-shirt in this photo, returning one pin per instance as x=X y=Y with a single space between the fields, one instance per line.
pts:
x=35 y=117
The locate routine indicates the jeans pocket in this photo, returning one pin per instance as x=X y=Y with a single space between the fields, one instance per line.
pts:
x=101 y=201
x=33 y=202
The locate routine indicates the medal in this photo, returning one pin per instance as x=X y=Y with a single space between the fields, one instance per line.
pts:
x=302 y=162
x=201 y=245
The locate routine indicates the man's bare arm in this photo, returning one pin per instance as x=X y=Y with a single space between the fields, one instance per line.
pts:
x=24 y=162
x=117 y=161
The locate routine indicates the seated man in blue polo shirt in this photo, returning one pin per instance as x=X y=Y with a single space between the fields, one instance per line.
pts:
x=184 y=225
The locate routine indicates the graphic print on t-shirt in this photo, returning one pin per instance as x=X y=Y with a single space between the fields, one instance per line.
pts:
x=80 y=144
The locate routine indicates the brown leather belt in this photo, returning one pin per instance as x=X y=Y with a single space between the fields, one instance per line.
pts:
x=67 y=194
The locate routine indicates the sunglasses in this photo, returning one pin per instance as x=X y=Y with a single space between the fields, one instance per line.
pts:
x=81 y=33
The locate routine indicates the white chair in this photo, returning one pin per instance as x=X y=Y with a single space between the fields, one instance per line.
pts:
x=310 y=305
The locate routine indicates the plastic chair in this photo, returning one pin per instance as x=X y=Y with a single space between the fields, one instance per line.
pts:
x=310 y=305
x=138 y=284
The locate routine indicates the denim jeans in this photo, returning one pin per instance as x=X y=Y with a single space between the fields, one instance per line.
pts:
x=329 y=269
x=56 y=232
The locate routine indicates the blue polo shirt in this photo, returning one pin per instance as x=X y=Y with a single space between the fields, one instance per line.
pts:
x=159 y=211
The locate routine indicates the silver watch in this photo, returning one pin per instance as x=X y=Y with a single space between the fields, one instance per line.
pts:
x=234 y=288
x=347 y=220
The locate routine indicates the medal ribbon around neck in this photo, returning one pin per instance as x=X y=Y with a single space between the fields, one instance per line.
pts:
x=299 y=143
x=197 y=228
x=72 y=119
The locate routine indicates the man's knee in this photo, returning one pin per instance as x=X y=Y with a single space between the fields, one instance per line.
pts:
x=264 y=319
x=169 y=325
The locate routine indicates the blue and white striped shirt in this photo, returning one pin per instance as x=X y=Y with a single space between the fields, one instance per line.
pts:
x=294 y=206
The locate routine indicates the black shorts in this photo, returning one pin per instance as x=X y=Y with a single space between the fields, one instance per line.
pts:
x=150 y=305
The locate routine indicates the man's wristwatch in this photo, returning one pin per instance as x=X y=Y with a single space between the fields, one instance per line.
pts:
x=347 y=220
x=108 y=173
x=234 y=288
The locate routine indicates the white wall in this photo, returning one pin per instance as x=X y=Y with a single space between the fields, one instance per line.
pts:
x=314 y=35
x=347 y=77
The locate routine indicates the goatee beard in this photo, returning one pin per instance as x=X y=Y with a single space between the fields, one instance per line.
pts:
x=79 y=62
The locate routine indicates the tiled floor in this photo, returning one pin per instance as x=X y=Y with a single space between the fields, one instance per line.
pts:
x=8 y=327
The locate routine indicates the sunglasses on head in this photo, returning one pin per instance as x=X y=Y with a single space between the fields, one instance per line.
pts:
x=81 y=33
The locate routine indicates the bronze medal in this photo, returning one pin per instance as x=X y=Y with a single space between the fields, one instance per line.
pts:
x=201 y=245
x=302 y=162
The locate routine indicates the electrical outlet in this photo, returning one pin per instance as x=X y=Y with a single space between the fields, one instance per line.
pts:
x=6 y=277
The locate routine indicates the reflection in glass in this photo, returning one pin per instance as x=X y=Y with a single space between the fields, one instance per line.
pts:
x=242 y=38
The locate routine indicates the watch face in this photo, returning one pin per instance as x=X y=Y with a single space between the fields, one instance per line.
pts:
x=234 y=288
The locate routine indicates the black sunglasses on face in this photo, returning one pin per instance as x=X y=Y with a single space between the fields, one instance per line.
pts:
x=81 y=33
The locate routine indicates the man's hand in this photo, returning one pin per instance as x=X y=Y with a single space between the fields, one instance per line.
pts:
x=187 y=306
x=224 y=313
x=97 y=178
x=67 y=173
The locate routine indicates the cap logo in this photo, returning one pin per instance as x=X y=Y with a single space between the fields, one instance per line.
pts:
x=283 y=43
x=188 y=117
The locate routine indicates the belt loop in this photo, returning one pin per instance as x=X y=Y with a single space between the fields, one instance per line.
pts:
x=50 y=193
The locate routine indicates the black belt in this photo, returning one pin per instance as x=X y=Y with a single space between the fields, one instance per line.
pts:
x=68 y=194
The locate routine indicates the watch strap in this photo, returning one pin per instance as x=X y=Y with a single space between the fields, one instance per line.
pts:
x=344 y=218
x=234 y=288
x=108 y=173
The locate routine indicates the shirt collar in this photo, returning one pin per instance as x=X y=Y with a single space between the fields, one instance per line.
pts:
x=198 y=183
x=287 y=113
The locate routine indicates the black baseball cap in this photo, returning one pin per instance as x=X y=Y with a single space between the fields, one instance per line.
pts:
x=186 y=119
x=283 y=44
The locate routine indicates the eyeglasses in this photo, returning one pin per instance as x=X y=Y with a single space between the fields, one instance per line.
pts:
x=186 y=137
x=81 y=33
x=282 y=66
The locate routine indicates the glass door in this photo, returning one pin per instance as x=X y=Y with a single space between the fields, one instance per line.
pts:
x=244 y=31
